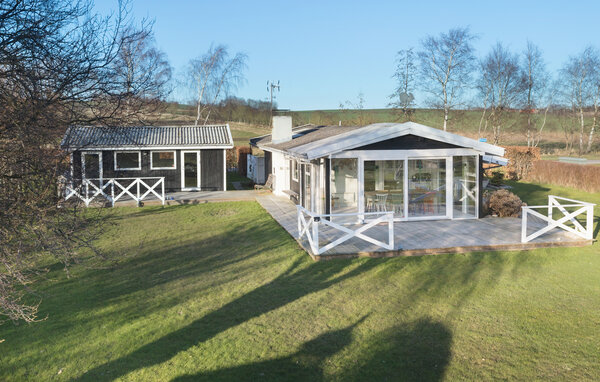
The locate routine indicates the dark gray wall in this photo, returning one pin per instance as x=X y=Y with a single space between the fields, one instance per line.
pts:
x=408 y=142
x=268 y=164
x=211 y=169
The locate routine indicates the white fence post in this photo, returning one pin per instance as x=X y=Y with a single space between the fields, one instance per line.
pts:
x=524 y=224
x=391 y=229
x=590 y=223
x=315 y=233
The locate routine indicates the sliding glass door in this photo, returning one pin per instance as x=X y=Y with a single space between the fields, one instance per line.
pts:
x=427 y=187
x=465 y=187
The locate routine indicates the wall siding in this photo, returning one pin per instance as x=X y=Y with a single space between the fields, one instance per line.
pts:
x=408 y=142
x=268 y=164
x=211 y=169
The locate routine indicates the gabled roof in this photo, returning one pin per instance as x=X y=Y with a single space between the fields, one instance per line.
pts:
x=312 y=146
x=91 y=137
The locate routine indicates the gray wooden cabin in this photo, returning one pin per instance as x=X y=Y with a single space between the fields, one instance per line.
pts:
x=189 y=158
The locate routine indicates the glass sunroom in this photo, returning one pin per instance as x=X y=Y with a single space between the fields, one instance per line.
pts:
x=412 y=187
x=415 y=171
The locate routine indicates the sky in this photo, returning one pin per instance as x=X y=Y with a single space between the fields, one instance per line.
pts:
x=327 y=52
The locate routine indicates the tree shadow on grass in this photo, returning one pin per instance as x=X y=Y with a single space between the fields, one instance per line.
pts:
x=289 y=286
x=418 y=351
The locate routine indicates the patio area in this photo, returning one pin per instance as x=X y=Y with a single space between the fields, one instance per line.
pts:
x=422 y=237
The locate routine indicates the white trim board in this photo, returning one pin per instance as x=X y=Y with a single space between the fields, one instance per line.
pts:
x=153 y=148
x=139 y=153
x=383 y=131
x=403 y=154
x=163 y=168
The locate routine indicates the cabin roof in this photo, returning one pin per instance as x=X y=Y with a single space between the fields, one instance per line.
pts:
x=323 y=141
x=93 y=137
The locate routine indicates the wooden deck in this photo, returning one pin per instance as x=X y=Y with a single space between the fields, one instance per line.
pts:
x=422 y=237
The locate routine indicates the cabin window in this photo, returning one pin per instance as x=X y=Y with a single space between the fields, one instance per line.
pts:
x=295 y=171
x=128 y=160
x=162 y=160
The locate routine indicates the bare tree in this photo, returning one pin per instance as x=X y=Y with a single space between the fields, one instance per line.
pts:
x=57 y=63
x=212 y=76
x=501 y=78
x=405 y=76
x=141 y=74
x=537 y=92
x=579 y=77
x=446 y=64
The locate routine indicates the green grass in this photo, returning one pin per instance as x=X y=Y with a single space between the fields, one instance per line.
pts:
x=220 y=292
x=246 y=183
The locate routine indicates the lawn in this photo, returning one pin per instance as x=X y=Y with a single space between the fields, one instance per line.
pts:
x=245 y=183
x=220 y=292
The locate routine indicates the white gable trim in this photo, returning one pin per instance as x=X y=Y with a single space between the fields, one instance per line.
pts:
x=382 y=131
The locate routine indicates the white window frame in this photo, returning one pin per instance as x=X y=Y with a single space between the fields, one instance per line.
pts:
x=139 y=153
x=163 y=168
x=198 y=176
x=83 y=154
x=295 y=170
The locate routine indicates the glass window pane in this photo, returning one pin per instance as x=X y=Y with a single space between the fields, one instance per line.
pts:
x=344 y=185
x=427 y=187
x=465 y=186
x=128 y=160
x=190 y=170
x=384 y=186
x=163 y=159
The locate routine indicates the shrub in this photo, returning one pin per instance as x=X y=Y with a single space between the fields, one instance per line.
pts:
x=520 y=160
x=497 y=178
x=505 y=204
x=581 y=177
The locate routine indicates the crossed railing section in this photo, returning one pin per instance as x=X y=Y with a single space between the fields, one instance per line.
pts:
x=114 y=189
x=567 y=220
x=309 y=224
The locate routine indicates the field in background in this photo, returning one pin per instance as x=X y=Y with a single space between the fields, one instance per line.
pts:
x=464 y=122
x=220 y=292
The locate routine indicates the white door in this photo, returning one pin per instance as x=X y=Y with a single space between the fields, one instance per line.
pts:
x=190 y=170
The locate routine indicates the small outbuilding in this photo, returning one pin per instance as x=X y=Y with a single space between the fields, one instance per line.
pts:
x=188 y=158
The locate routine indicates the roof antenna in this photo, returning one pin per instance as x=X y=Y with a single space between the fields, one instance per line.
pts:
x=271 y=87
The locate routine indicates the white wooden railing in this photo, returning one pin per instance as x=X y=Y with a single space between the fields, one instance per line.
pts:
x=309 y=223
x=113 y=189
x=567 y=217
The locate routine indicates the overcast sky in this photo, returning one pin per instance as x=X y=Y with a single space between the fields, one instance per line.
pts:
x=326 y=52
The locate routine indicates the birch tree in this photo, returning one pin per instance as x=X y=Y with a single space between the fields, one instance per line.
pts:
x=537 y=92
x=405 y=75
x=141 y=72
x=501 y=77
x=446 y=63
x=579 y=77
x=212 y=76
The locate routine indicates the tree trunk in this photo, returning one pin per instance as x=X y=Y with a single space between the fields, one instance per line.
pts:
x=592 y=130
x=581 y=130
x=446 y=111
